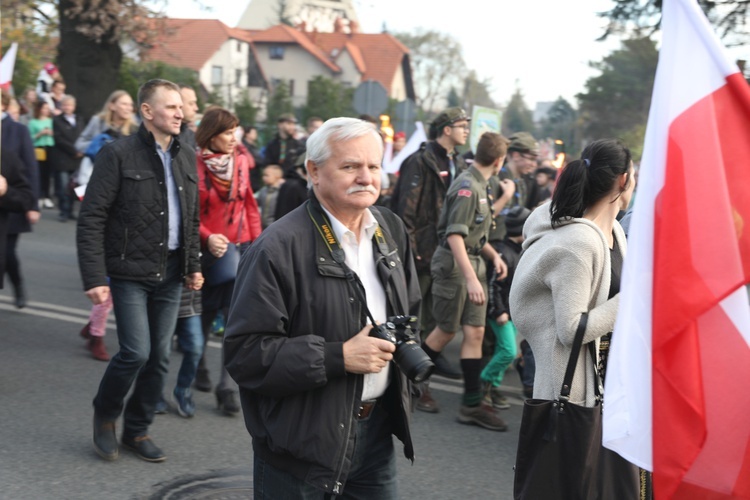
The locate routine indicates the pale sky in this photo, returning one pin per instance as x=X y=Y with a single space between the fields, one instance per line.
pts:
x=543 y=46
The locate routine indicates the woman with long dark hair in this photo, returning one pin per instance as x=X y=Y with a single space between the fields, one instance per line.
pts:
x=229 y=221
x=570 y=266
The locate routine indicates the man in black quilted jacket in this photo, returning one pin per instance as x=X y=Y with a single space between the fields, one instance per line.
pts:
x=138 y=240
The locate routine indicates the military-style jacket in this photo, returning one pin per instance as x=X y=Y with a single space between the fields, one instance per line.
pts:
x=497 y=232
x=418 y=198
x=467 y=211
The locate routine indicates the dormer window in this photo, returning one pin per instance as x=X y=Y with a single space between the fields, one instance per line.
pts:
x=276 y=52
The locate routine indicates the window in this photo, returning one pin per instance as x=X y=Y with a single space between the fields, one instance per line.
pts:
x=238 y=78
x=217 y=75
x=239 y=46
x=276 y=52
x=291 y=88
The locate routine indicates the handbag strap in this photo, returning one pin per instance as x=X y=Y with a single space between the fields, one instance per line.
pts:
x=242 y=218
x=573 y=361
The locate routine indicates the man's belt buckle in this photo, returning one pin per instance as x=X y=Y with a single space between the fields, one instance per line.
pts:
x=365 y=409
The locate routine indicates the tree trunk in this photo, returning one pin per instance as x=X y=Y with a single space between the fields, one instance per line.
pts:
x=89 y=68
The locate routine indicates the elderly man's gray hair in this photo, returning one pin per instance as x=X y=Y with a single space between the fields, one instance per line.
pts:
x=337 y=129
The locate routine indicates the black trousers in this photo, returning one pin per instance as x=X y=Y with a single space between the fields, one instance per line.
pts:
x=12 y=265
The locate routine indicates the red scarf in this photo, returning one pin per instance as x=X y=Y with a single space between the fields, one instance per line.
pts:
x=220 y=169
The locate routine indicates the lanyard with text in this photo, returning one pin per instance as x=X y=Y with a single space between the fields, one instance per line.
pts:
x=337 y=253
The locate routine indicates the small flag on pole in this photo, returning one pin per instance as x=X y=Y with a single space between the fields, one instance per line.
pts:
x=7 y=64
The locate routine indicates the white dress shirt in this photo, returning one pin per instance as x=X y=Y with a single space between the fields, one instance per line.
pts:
x=361 y=259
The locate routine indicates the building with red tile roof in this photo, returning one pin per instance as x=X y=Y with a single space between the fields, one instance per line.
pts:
x=234 y=60
x=223 y=57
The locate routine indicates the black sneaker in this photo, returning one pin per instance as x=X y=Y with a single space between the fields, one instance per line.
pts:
x=144 y=448
x=445 y=369
x=105 y=440
x=226 y=402
x=202 y=381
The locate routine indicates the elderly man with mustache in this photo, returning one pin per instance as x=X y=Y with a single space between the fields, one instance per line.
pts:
x=313 y=381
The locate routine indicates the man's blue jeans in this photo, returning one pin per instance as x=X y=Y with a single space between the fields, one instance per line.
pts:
x=190 y=339
x=372 y=475
x=146 y=314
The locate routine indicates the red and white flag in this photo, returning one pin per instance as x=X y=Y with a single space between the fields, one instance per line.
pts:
x=7 y=64
x=677 y=399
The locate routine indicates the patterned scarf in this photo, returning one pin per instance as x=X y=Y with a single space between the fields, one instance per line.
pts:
x=220 y=170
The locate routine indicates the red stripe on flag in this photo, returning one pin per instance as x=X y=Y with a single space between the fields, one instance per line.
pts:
x=735 y=150
x=700 y=257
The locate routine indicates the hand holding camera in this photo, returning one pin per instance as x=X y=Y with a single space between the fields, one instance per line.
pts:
x=409 y=356
x=366 y=354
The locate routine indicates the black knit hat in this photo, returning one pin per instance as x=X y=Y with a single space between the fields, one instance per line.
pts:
x=515 y=219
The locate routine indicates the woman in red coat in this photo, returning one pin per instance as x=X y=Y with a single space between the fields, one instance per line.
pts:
x=229 y=222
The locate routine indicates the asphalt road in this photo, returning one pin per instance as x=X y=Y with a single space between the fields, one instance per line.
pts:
x=48 y=380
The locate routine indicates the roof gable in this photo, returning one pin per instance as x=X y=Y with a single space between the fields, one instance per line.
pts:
x=377 y=55
x=189 y=43
x=286 y=34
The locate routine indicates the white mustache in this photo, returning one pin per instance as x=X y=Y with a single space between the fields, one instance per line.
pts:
x=357 y=189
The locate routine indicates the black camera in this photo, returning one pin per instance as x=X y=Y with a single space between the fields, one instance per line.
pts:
x=409 y=356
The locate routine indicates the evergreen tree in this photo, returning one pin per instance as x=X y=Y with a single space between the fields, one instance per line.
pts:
x=517 y=116
x=327 y=98
x=134 y=73
x=561 y=123
x=453 y=98
x=617 y=101
x=278 y=103
x=477 y=92
x=245 y=110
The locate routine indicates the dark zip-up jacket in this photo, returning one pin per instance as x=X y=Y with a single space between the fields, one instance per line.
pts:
x=292 y=149
x=291 y=313
x=419 y=196
x=499 y=291
x=123 y=224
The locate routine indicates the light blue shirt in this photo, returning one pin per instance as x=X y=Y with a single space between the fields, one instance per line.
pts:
x=173 y=200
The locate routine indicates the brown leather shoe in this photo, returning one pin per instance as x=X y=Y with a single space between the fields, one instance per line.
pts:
x=144 y=448
x=426 y=402
x=98 y=349
x=483 y=416
x=105 y=440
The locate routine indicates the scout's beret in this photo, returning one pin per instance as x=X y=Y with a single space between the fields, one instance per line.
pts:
x=524 y=142
x=448 y=117
x=287 y=117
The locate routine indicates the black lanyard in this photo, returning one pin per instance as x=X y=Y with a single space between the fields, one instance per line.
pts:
x=337 y=253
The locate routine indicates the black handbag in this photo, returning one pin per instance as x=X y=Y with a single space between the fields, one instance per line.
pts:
x=560 y=453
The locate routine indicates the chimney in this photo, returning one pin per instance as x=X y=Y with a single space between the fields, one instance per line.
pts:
x=353 y=26
x=338 y=25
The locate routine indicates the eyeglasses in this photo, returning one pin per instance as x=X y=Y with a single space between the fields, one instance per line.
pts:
x=529 y=157
x=465 y=127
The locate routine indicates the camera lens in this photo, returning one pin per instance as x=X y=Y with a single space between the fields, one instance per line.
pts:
x=413 y=361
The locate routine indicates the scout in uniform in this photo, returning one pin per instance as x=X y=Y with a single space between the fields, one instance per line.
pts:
x=459 y=274
x=509 y=186
x=418 y=197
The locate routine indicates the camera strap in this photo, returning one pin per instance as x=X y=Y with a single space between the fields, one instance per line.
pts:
x=323 y=225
